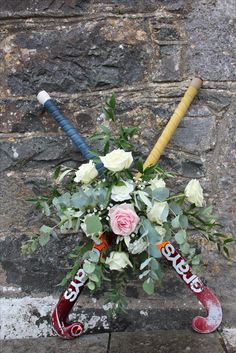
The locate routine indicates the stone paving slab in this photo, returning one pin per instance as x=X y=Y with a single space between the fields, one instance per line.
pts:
x=85 y=344
x=165 y=342
x=229 y=337
x=173 y=341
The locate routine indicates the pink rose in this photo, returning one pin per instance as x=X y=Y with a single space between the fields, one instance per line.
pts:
x=123 y=219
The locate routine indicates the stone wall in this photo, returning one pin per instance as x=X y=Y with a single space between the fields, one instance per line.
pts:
x=80 y=51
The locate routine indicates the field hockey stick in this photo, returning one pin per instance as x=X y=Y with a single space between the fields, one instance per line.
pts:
x=204 y=294
x=59 y=319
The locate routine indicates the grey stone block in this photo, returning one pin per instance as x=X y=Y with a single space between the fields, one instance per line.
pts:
x=84 y=344
x=168 y=66
x=229 y=338
x=196 y=134
x=62 y=8
x=83 y=56
x=20 y=151
x=164 y=342
x=209 y=30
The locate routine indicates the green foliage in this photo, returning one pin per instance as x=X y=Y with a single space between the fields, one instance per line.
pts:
x=148 y=286
x=181 y=237
x=160 y=194
x=205 y=223
x=116 y=295
x=148 y=229
x=93 y=225
x=162 y=213
x=88 y=267
x=109 y=108
x=30 y=246
x=111 y=137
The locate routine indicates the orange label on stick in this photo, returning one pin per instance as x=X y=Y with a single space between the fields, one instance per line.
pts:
x=162 y=244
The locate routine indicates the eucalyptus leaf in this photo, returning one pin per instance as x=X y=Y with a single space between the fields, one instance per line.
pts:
x=93 y=224
x=45 y=229
x=145 y=273
x=79 y=200
x=192 y=252
x=183 y=221
x=160 y=194
x=185 y=248
x=34 y=246
x=155 y=266
x=46 y=208
x=145 y=263
x=181 y=236
x=175 y=208
x=165 y=212
x=65 y=199
x=148 y=229
x=44 y=239
x=88 y=267
x=175 y=222
x=144 y=197
x=91 y=285
x=93 y=277
x=154 y=251
x=154 y=275
x=195 y=260
x=148 y=286
x=94 y=255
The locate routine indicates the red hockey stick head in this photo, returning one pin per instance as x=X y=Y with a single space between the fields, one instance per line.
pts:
x=67 y=331
x=204 y=295
x=212 y=305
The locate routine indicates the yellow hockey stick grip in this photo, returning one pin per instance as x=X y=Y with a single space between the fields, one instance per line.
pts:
x=173 y=123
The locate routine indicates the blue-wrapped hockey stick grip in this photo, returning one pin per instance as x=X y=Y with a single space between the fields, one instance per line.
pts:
x=66 y=125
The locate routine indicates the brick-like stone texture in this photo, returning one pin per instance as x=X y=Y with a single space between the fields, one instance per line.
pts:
x=61 y=8
x=81 y=51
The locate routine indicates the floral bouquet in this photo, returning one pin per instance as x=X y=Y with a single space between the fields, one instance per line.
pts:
x=138 y=211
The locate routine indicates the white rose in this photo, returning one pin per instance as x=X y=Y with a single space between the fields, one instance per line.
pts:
x=159 y=212
x=137 y=246
x=157 y=183
x=86 y=173
x=118 y=260
x=117 y=160
x=194 y=192
x=122 y=193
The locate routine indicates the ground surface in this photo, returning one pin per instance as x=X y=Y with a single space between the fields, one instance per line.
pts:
x=127 y=342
